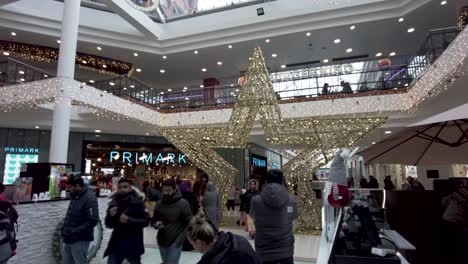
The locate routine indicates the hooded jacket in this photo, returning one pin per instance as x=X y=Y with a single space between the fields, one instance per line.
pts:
x=246 y=198
x=273 y=212
x=175 y=214
x=127 y=239
x=81 y=218
x=230 y=249
x=212 y=204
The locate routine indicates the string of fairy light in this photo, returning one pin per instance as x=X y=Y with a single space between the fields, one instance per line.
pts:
x=319 y=136
x=258 y=99
x=89 y=62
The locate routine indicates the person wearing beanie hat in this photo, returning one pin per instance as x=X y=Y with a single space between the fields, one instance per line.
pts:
x=274 y=212
x=337 y=184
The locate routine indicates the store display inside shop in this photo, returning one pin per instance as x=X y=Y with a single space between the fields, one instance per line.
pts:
x=150 y=162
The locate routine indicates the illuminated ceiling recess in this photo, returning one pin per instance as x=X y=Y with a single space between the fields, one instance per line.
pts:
x=145 y=6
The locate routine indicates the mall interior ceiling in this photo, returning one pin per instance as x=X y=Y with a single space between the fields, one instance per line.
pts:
x=178 y=54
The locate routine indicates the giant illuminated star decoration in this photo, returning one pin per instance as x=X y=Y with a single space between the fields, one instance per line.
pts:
x=319 y=137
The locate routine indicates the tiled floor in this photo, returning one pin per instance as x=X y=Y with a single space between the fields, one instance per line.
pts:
x=306 y=248
x=152 y=257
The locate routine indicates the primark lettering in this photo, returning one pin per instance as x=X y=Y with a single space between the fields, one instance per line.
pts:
x=312 y=73
x=21 y=150
x=147 y=158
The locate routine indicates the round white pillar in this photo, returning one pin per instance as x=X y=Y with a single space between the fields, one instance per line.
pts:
x=66 y=69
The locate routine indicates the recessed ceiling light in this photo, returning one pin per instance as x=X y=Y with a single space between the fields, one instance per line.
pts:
x=202 y=86
x=45 y=75
x=373 y=143
x=91 y=81
x=378 y=54
x=6 y=53
x=232 y=85
x=392 y=54
x=203 y=70
x=147 y=134
x=97 y=131
x=186 y=98
x=308 y=34
x=162 y=71
x=22 y=79
x=401 y=19
x=138 y=70
x=83 y=83
x=164 y=57
x=196 y=52
x=274 y=55
x=98 y=48
x=161 y=92
x=185 y=88
x=125 y=88
x=135 y=54
x=59 y=41
x=237 y=90
x=132 y=86
x=169 y=90
x=406 y=85
x=230 y=47
x=84 y=62
x=283 y=66
x=13 y=33
x=104 y=66
x=36 y=127
x=352 y=27
x=388 y=132
x=410 y=30
x=325 y=60
x=443 y=3
x=21 y=72
x=111 y=83
x=220 y=63
x=267 y=40
x=349 y=50
x=336 y=41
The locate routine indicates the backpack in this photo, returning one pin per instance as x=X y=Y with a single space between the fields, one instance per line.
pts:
x=8 y=219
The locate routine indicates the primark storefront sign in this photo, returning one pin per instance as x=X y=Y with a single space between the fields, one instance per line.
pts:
x=147 y=158
x=310 y=73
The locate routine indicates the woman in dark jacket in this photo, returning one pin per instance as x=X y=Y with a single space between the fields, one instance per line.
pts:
x=388 y=184
x=219 y=248
x=252 y=190
x=171 y=217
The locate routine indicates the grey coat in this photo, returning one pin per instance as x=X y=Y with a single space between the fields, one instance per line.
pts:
x=212 y=204
x=273 y=212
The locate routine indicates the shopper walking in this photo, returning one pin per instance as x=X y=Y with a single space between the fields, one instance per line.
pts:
x=81 y=218
x=252 y=192
x=8 y=219
x=231 y=201
x=171 y=217
x=127 y=216
x=373 y=183
x=185 y=188
x=219 y=248
x=274 y=212
x=388 y=184
x=211 y=203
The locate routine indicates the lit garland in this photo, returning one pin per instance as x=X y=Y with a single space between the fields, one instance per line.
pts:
x=85 y=61
x=463 y=18
x=257 y=98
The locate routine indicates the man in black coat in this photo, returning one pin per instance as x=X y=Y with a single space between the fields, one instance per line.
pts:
x=78 y=226
x=128 y=217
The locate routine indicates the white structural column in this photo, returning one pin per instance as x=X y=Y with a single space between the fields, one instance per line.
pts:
x=66 y=69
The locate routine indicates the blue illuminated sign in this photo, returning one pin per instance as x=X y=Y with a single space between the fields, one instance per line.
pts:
x=21 y=150
x=147 y=158
x=259 y=162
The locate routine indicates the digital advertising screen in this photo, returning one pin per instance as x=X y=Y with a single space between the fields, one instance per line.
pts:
x=13 y=163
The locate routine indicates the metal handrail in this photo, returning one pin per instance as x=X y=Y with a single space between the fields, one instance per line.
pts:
x=30 y=67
